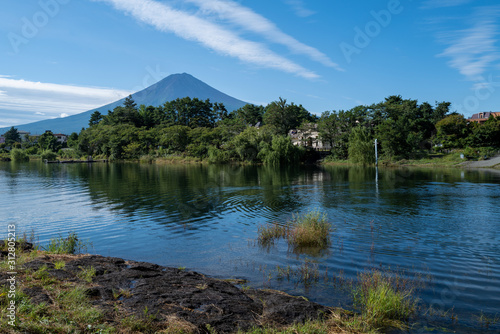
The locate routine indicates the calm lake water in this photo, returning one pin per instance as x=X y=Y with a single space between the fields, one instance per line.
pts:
x=440 y=223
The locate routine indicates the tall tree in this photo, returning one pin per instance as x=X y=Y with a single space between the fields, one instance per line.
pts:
x=95 y=118
x=12 y=136
x=284 y=117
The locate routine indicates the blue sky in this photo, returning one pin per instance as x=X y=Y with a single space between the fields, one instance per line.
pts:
x=62 y=57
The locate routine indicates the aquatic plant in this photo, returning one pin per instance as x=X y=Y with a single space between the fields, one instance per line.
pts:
x=383 y=300
x=308 y=230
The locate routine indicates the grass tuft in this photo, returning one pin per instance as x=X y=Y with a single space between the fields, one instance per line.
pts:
x=68 y=245
x=310 y=230
x=384 y=300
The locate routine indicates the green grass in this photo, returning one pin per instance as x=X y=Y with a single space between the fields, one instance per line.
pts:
x=87 y=274
x=384 y=300
x=269 y=233
x=68 y=245
x=310 y=230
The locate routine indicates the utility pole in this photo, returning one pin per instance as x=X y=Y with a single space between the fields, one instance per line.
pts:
x=376 y=153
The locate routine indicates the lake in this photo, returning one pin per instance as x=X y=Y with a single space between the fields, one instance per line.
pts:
x=438 y=225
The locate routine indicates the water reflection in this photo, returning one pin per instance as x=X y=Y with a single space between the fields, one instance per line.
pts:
x=441 y=221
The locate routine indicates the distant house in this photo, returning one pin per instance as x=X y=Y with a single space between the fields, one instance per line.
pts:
x=2 y=139
x=308 y=136
x=61 y=138
x=483 y=116
x=23 y=135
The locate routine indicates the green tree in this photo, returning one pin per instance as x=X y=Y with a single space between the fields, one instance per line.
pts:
x=95 y=118
x=12 y=136
x=281 y=152
x=73 y=140
x=250 y=114
x=361 y=146
x=485 y=134
x=175 y=138
x=284 y=117
x=452 y=131
x=47 y=141
x=248 y=143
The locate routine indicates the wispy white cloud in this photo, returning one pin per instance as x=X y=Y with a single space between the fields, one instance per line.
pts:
x=474 y=50
x=299 y=8
x=28 y=101
x=215 y=37
x=431 y=4
x=256 y=23
x=95 y=92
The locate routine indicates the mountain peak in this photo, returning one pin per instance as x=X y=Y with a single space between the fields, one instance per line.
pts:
x=170 y=88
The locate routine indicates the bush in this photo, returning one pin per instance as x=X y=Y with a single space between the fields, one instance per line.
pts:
x=33 y=150
x=19 y=155
x=281 y=152
x=48 y=155
x=218 y=156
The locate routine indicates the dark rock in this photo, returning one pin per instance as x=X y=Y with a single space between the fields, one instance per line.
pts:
x=37 y=295
x=189 y=296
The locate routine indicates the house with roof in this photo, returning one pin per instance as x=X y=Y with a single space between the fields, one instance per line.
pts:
x=308 y=136
x=61 y=138
x=482 y=117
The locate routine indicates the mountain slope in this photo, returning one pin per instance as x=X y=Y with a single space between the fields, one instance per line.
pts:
x=172 y=87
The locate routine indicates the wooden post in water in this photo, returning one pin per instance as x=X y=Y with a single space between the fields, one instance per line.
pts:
x=376 y=153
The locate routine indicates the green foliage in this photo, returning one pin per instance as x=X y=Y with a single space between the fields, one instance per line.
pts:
x=218 y=156
x=48 y=155
x=248 y=143
x=452 y=131
x=95 y=118
x=175 y=138
x=384 y=300
x=361 y=146
x=200 y=129
x=480 y=153
x=19 y=155
x=68 y=245
x=283 y=117
x=87 y=274
x=310 y=230
x=250 y=114
x=12 y=136
x=281 y=152
x=33 y=150
x=267 y=234
x=47 y=141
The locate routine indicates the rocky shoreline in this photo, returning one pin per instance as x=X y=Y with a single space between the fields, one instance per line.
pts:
x=198 y=302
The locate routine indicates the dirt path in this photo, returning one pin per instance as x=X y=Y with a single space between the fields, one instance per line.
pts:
x=492 y=162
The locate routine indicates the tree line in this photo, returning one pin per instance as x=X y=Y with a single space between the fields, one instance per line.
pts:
x=202 y=129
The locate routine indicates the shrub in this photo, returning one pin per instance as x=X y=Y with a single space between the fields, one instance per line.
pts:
x=48 y=155
x=19 y=155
